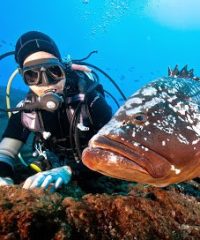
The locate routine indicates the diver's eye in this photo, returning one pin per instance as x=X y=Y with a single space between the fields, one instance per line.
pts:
x=140 y=118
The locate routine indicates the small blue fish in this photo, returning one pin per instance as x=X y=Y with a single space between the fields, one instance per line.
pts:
x=154 y=138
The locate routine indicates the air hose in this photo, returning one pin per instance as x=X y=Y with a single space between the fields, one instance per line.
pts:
x=105 y=74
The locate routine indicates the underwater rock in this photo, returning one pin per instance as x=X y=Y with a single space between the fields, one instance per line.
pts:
x=31 y=215
x=145 y=213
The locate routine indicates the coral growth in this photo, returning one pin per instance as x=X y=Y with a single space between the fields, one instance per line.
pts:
x=144 y=213
x=30 y=215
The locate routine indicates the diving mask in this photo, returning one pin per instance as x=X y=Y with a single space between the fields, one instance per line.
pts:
x=43 y=72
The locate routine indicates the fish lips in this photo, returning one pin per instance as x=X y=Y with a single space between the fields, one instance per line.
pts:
x=111 y=164
x=104 y=151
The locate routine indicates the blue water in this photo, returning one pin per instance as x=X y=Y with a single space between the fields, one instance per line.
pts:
x=136 y=39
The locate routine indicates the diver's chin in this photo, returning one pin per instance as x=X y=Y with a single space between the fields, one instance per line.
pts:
x=53 y=90
x=42 y=92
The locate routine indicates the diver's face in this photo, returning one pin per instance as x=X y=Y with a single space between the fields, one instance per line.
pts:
x=53 y=86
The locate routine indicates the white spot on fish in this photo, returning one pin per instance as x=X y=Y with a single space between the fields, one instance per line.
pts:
x=196 y=115
x=176 y=170
x=195 y=141
x=172 y=91
x=136 y=144
x=165 y=95
x=183 y=109
x=129 y=103
x=171 y=99
x=163 y=143
x=133 y=134
x=112 y=126
x=145 y=148
x=112 y=158
x=172 y=120
x=189 y=119
x=136 y=100
x=168 y=130
x=195 y=128
x=182 y=119
x=146 y=106
x=134 y=111
x=150 y=91
x=183 y=139
x=180 y=108
x=172 y=107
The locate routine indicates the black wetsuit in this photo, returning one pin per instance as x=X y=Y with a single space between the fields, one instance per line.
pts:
x=97 y=113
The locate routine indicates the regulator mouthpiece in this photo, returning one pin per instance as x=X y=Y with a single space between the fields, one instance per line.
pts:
x=50 y=101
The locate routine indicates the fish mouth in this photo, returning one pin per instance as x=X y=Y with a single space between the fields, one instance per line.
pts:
x=137 y=157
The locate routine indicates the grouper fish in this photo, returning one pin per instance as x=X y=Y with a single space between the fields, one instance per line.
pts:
x=154 y=138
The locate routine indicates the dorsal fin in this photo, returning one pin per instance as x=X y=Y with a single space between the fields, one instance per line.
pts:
x=191 y=73
x=175 y=71
x=169 y=72
x=183 y=73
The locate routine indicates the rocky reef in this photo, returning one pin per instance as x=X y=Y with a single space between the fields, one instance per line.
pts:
x=137 y=212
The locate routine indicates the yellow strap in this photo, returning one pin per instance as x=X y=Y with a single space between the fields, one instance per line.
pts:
x=35 y=167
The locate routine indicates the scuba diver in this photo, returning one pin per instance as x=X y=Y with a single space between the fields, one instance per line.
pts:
x=64 y=108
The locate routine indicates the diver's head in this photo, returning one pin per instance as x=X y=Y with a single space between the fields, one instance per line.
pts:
x=40 y=63
x=32 y=42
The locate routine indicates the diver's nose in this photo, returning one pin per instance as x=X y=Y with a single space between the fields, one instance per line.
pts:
x=46 y=80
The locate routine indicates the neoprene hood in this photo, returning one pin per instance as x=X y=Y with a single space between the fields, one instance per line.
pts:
x=32 y=42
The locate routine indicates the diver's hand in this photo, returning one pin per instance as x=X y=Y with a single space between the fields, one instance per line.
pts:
x=55 y=177
x=80 y=67
x=6 y=181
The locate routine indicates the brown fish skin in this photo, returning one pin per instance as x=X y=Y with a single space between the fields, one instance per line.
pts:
x=154 y=138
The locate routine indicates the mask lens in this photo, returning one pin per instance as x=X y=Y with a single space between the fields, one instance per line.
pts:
x=43 y=73
x=56 y=72
x=31 y=77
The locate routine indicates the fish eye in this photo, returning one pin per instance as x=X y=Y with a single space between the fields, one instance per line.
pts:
x=124 y=123
x=140 y=118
